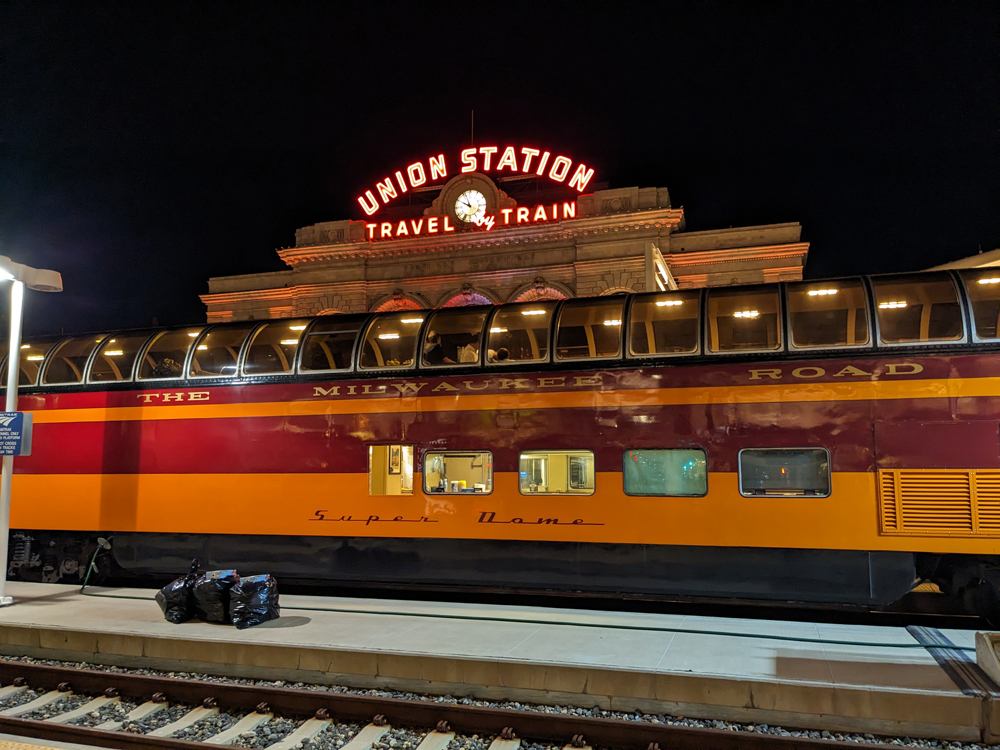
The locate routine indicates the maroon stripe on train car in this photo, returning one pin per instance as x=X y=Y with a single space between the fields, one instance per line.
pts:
x=937 y=445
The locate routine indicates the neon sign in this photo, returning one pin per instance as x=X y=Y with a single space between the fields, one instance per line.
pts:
x=507 y=217
x=518 y=161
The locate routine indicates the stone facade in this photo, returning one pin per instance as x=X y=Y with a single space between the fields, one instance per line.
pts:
x=610 y=241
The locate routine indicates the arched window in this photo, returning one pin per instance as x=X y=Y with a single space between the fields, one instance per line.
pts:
x=464 y=300
x=394 y=305
x=538 y=294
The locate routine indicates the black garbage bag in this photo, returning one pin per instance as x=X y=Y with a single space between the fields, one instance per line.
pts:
x=254 y=600
x=210 y=594
x=175 y=598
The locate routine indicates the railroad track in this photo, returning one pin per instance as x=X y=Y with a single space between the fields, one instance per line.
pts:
x=53 y=697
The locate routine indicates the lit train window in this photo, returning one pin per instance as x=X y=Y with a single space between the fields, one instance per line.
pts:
x=68 y=361
x=785 y=472
x=453 y=337
x=115 y=358
x=165 y=354
x=458 y=472
x=329 y=344
x=272 y=351
x=556 y=473
x=390 y=470
x=744 y=319
x=828 y=314
x=520 y=333
x=590 y=328
x=983 y=288
x=32 y=358
x=664 y=323
x=217 y=352
x=917 y=309
x=670 y=472
x=391 y=340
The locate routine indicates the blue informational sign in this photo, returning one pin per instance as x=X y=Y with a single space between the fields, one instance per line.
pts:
x=15 y=433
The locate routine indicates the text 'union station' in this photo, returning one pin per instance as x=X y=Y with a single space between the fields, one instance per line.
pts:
x=501 y=223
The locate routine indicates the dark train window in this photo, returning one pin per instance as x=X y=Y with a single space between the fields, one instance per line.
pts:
x=164 y=357
x=218 y=351
x=32 y=358
x=590 y=328
x=520 y=333
x=272 y=351
x=115 y=358
x=669 y=472
x=785 y=472
x=391 y=341
x=744 y=319
x=329 y=345
x=664 y=323
x=453 y=337
x=458 y=472
x=556 y=473
x=917 y=309
x=983 y=288
x=68 y=361
x=828 y=314
x=390 y=470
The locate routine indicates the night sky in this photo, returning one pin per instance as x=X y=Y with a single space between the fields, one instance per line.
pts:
x=149 y=146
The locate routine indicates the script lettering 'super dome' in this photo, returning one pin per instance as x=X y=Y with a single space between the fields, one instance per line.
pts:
x=511 y=221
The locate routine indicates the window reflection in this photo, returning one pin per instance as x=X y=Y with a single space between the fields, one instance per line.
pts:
x=983 y=288
x=69 y=360
x=164 y=357
x=520 y=333
x=113 y=361
x=590 y=328
x=391 y=341
x=785 y=472
x=272 y=351
x=917 y=309
x=453 y=337
x=329 y=344
x=664 y=323
x=743 y=319
x=218 y=351
x=828 y=313
x=32 y=358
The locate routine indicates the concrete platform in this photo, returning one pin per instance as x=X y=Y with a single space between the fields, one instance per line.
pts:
x=795 y=674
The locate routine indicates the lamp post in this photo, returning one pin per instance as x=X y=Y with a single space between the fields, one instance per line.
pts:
x=40 y=280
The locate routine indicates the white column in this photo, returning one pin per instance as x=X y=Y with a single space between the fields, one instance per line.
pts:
x=7 y=473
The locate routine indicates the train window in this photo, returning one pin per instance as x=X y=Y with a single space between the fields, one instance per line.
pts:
x=457 y=472
x=67 y=363
x=784 y=472
x=664 y=323
x=272 y=351
x=453 y=337
x=329 y=344
x=520 y=333
x=390 y=470
x=983 y=288
x=828 y=314
x=115 y=358
x=744 y=319
x=917 y=309
x=391 y=340
x=556 y=473
x=32 y=358
x=165 y=354
x=218 y=351
x=590 y=328
x=670 y=472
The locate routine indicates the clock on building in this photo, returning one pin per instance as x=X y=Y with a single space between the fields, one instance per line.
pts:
x=471 y=205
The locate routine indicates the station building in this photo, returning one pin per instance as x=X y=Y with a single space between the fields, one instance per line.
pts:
x=501 y=224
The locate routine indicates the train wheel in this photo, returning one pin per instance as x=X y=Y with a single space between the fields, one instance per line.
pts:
x=982 y=598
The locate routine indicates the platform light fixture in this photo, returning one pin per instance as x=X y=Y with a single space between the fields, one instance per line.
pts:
x=39 y=280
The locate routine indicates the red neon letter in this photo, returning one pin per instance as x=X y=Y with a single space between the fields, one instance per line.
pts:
x=509 y=159
x=401 y=229
x=386 y=189
x=469 y=160
x=560 y=168
x=371 y=205
x=542 y=163
x=528 y=154
x=522 y=215
x=417 y=225
x=386 y=229
x=506 y=214
x=569 y=210
x=432 y=225
x=417 y=175
x=447 y=224
x=555 y=211
x=371 y=231
x=581 y=177
x=399 y=179
x=540 y=214
x=438 y=168
x=487 y=152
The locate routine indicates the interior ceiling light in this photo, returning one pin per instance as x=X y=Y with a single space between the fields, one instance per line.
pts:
x=35 y=358
x=746 y=314
x=192 y=335
x=296 y=328
x=412 y=320
x=114 y=353
x=498 y=330
x=388 y=335
x=533 y=312
x=990 y=280
x=289 y=342
x=892 y=305
x=612 y=322
x=821 y=292
x=669 y=302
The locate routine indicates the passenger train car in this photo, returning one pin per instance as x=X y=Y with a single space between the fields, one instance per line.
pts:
x=828 y=442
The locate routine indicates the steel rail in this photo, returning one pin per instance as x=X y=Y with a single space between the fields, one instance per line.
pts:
x=535 y=725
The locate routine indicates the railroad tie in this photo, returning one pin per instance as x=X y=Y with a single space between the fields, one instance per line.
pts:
x=83 y=710
x=10 y=690
x=41 y=701
x=436 y=740
x=309 y=729
x=137 y=713
x=367 y=737
x=195 y=714
x=501 y=744
x=246 y=724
